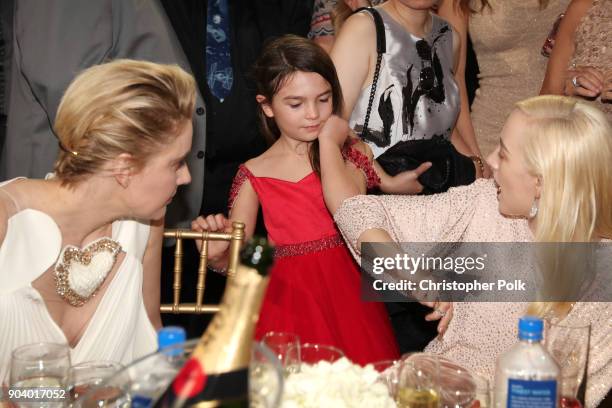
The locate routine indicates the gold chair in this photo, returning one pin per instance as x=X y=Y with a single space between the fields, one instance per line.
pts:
x=236 y=238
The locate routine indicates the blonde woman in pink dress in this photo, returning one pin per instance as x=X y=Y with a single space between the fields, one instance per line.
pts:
x=547 y=141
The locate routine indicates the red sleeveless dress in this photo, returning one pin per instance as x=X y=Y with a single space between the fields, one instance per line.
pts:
x=315 y=286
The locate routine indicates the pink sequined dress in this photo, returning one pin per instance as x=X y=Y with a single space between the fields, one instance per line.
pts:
x=478 y=332
x=314 y=288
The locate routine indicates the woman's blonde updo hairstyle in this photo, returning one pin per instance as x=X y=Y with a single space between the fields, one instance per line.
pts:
x=124 y=106
x=568 y=144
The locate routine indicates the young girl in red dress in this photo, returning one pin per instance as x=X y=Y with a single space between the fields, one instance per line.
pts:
x=314 y=288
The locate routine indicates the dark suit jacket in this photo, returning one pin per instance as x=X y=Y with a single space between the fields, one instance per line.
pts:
x=232 y=128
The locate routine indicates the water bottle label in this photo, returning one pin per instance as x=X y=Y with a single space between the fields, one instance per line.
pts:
x=140 y=401
x=528 y=394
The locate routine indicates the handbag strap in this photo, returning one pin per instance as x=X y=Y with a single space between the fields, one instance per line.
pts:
x=381 y=47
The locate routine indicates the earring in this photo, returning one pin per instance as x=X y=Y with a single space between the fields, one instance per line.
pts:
x=534 y=209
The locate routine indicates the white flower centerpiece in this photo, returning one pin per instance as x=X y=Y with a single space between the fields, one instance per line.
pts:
x=340 y=384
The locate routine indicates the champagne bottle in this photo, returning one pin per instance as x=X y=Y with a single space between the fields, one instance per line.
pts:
x=216 y=374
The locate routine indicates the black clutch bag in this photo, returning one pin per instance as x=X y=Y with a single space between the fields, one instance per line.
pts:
x=449 y=167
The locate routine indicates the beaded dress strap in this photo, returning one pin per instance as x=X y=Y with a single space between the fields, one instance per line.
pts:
x=362 y=162
x=241 y=176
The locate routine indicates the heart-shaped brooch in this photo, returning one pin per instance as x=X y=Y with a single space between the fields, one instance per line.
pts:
x=79 y=273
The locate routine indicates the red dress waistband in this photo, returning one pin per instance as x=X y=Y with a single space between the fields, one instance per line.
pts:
x=308 y=247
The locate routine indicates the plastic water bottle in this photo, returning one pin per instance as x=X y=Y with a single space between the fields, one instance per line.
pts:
x=146 y=390
x=169 y=336
x=527 y=376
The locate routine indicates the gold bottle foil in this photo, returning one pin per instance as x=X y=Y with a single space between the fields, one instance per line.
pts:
x=226 y=344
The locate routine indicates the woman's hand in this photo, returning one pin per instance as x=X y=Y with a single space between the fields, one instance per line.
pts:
x=213 y=223
x=406 y=182
x=442 y=311
x=587 y=82
x=335 y=130
x=606 y=93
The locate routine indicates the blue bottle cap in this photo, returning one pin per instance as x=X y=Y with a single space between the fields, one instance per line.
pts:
x=167 y=336
x=530 y=328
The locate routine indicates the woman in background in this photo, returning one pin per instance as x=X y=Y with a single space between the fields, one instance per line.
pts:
x=581 y=61
x=329 y=15
x=507 y=36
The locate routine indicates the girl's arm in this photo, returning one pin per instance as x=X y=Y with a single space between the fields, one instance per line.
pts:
x=354 y=55
x=244 y=206
x=558 y=79
x=463 y=137
x=151 y=265
x=351 y=181
x=339 y=179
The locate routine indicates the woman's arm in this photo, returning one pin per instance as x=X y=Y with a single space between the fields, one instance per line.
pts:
x=151 y=265
x=558 y=79
x=464 y=137
x=354 y=55
x=3 y=223
x=381 y=236
x=406 y=182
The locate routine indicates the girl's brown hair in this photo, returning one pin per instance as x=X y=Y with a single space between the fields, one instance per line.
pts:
x=279 y=60
x=124 y=106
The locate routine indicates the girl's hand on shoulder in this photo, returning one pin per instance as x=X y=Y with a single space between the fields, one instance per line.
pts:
x=335 y=130
x=212 y=223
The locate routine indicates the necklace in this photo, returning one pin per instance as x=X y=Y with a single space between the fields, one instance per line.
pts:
x=79 y=273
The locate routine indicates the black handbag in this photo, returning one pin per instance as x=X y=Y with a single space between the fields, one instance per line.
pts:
x=449 y=167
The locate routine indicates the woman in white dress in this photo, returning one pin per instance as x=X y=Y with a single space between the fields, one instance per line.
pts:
x=124 y=130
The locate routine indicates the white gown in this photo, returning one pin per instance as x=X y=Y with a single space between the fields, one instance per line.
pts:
x=119 y=330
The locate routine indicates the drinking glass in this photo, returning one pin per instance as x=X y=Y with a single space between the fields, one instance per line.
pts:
x=389 y=374
x=87 y=375
x=418 y=385
x=265 y=378
x=310 y=353
x=456 y=384
x=280 y=342
x=38 y=366
x=569 y=346
x=483 y=392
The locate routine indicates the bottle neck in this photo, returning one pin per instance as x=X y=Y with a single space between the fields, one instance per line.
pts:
x=531 y=341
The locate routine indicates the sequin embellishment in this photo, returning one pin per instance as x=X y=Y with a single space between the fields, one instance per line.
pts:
x=309 y=247
x=79 y=273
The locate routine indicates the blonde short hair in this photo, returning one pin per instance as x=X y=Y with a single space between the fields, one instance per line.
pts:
x=568 y=145
x=124 y=106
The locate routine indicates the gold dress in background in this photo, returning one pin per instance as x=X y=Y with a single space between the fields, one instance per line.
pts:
x=508 y=39
x=593 y=42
